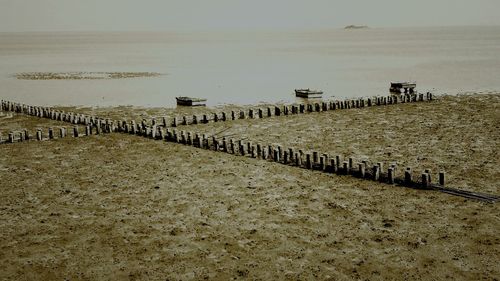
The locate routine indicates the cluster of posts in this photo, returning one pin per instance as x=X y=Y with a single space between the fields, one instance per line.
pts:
x=276 y=153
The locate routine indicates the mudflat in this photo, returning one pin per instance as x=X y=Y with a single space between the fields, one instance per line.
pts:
x=119 y=206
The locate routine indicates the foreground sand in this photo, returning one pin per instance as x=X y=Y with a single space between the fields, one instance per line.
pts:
x=124 y=207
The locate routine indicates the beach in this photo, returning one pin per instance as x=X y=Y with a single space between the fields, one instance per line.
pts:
x=119 y=206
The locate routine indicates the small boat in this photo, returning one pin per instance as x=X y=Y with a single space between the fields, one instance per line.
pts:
x=396 y=87
x=307 y=93
x=187 y=101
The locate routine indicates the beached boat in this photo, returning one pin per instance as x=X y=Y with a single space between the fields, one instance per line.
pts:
x=396 y=87
x=187 y=101
x=307 y=93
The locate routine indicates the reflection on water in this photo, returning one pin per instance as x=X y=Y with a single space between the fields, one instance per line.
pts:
x=250 y=67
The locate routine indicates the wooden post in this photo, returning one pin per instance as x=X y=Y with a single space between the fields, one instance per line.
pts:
x=346 y=168
x=233 y=115
x=302 y=108
x=285 y=157
x=259 y=150
x=277 y=111
x=231 y=146
x=189 y=139
x=269 y=112
x=26 y=134
x=408 y=179
x=75 y=131
x=216 y=117
x=242 y=114
x=428 y=172
x=441 y=178
x=333 y=166
x=251 y=114
x=11 y=137
x=276 y=156
x=39 y=134
x=205 y=119
x=224 y=116
x=315 y=158
x=361 y=170
x=317 y=107
x=376 y=173
x=390 y=175
x=51 y=133
x=265 y=153
x=425 y=180
x=254 y=151
x=322 y=163
x=195 y=119
x=62 y=132
x=351 y=163
x=298 y=159
x=261 y=113
x=224 y=145
x=309 y=164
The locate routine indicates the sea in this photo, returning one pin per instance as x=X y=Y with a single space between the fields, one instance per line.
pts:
x=247 y=67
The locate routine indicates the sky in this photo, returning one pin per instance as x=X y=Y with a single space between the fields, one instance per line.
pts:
x=185 y=15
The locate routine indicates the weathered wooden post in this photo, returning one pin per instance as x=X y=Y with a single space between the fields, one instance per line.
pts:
x=361 y=170
x=309 y=164
x=216 y=117
x=62 y=132
x=39 y=134
x=345 y=167
x=11 y=137
x=242 y=114
x=254 y=151
x=261 y=113
x=315 y=158
x=317 y=107
x=251 y=114
x=277 y=111
x=351 y=163
x=224 y=145
x=231 y=146
x=241 y=148
x=26 y=134
x=75 y=131
x=428 y=172
x=322 y=163
x=276 y=155
x=205 y=119
x=249 y=147
x=369 y=102
x=269 y=112
x=390 y=175
x=376 y=173
x=425 y=180
x=264 y=153
x=286 y=158
x=408 y=180
x=189 y=139
x=333 y=166
x=441 y=178
x=51 y=133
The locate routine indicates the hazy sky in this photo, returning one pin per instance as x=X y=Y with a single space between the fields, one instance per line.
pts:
x=172 y=15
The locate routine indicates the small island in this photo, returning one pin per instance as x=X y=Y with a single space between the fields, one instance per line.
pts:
x=356 y=27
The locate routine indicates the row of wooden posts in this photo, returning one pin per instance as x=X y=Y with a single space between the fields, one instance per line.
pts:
x=40 y=135
x=259 y=113
x=108 y=125
x=297 y=157
x=313 y=161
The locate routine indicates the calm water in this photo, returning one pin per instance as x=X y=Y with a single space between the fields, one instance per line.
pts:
x=250 y=67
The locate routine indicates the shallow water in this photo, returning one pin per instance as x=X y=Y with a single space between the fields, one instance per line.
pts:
x=247 y=67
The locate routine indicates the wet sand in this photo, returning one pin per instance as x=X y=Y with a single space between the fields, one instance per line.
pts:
x=124 y=207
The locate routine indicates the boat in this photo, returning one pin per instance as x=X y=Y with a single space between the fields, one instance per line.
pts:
x=307 y=93
x=396 y=87
x=188 y=101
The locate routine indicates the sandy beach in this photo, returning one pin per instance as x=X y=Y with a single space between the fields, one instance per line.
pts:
x=119 y=206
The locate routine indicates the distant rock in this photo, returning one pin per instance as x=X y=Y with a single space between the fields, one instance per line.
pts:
x=356 y=27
